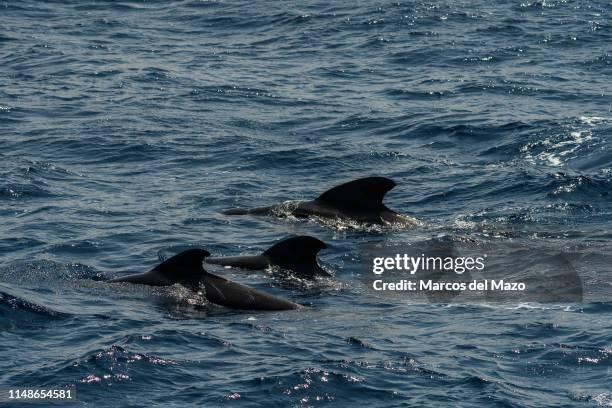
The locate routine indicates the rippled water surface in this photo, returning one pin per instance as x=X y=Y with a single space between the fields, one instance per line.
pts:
x=127 y=127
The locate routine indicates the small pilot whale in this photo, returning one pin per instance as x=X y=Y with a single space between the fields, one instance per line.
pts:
x=186 y=269
x=296 y=254
x=360 y=200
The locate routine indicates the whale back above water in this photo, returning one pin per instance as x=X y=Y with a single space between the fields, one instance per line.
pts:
x=296 y=254
x=360 y=200
x=186 y=269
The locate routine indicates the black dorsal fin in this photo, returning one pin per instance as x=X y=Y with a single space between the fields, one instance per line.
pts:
x=185 y=268
x=364 y=194
x=298 y=254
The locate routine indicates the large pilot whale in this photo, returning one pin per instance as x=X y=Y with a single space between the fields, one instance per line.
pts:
x=297 y=255
x=186 y=269
x=360 y=200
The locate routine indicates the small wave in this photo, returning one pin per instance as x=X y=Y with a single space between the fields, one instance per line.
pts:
x=594 y=120
x=117 y=364
x=24 y=191
x=579 y=186
x=47 y=274
x=315 y=384
x=25 y=179
x=533 y=306
x=403 y=364
x=13 y=307
x=602 y=400
x=359 y=343
x=555 y=151
x=597 y=308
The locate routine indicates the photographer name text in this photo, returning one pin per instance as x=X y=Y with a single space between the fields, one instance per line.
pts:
x=431 y=285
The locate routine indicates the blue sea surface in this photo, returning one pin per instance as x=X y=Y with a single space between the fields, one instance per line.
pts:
x=127 y=127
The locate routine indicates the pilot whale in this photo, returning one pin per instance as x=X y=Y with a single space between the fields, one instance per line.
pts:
x=186 y=269
x=296 y=254
x=360 y=200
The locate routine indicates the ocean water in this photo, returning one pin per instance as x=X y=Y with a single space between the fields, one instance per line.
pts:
x=127 y=127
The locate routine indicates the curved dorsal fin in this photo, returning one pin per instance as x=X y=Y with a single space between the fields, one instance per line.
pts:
x=298 y=254
x=364 y=194
x=185 y=267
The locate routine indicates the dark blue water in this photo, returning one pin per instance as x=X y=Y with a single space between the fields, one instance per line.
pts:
x=126 y=127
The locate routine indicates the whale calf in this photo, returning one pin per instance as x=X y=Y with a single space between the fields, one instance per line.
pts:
x=360 y=200
x=186 y=269
x=296 y=254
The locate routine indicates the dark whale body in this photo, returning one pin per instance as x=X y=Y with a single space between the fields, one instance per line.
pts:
x=360 y=200
x=186 y=269
x=296 y=254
